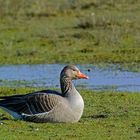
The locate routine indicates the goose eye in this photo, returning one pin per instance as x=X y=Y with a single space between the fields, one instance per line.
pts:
x=74 y=70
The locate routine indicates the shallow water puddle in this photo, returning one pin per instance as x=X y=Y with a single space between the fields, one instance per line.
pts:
x=40 y=75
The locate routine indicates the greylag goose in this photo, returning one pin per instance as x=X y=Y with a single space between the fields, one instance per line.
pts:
x=49 y=105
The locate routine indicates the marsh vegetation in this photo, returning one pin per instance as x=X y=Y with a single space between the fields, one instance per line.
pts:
x=68 y=31
x=79 y=32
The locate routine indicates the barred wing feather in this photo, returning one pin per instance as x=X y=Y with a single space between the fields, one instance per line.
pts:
x=34 y=103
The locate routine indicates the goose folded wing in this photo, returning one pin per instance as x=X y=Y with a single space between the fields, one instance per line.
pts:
x=31 y=103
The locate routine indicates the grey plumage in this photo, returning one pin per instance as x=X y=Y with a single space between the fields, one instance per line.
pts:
x=48 y=105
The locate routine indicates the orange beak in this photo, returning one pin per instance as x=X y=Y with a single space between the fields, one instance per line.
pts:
x=82 y=76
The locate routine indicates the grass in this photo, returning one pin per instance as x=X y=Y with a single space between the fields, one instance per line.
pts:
x=107 y=116
x=70 y=31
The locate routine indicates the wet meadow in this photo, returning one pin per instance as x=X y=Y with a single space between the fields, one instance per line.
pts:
x=95 y=32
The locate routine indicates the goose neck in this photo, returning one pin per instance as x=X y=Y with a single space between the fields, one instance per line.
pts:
x=66 y=85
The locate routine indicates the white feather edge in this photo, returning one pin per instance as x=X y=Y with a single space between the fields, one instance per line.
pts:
x=37 y=114
x=20 y=116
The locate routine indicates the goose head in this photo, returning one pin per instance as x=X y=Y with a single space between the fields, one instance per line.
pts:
x=72 y=72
